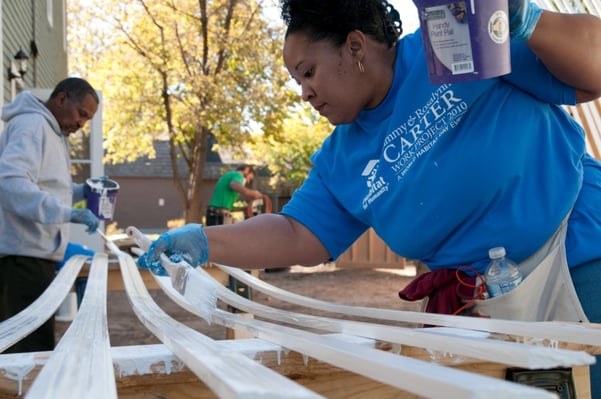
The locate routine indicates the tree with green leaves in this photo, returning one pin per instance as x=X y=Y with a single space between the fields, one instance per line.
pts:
x=287 y=155
x=182 y=70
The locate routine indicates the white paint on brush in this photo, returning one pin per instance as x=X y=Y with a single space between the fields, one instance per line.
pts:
x=198 y=290
x=109 y=244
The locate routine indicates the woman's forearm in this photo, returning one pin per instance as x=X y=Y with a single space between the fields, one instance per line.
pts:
x=570 y=47
x=264 y=241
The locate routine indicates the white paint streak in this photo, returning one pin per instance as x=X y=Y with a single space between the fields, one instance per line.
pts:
x=20 y=371
x=227 y=374
x=80 y=366
x=564 y=332
x=23 y=323
x=144 y=360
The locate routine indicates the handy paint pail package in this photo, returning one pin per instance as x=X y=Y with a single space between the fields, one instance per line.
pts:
x=465 y=40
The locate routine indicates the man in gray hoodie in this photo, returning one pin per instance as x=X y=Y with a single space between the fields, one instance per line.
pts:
x=37 y=195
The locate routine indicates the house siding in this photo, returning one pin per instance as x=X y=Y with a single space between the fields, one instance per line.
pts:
x=147 y=203
x=148 y=197
x=51 y=65
x=16 y=27
x=24 y=22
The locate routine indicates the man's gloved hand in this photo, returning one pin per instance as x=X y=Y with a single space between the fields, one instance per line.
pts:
x=523 y=16
x=85 y=216
x=188 y=243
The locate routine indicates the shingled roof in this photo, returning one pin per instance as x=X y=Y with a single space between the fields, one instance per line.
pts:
x=160 y=166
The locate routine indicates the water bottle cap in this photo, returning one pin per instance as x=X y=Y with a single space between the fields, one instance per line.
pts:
x=496 y=252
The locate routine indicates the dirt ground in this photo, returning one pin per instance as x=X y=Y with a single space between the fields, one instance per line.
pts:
x=365 y=287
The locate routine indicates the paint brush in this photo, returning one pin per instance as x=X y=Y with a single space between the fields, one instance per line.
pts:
x=199 y=289
x=109 y=244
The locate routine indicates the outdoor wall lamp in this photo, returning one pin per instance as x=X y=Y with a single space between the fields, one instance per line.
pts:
x=18 y=65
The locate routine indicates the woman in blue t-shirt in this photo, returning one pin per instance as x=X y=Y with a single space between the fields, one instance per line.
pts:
x=442 y=172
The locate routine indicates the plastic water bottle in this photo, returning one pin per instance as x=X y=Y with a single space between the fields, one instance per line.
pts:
x=502 y=274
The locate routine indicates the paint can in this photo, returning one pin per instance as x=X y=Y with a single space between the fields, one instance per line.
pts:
x=102 y=197
x=465 y=40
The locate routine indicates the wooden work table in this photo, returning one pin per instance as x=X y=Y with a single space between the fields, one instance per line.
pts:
x=287 y=359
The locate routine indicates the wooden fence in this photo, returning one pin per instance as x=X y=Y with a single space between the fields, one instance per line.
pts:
x=369 y=251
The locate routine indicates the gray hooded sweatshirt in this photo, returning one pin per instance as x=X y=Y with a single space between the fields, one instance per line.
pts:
x=36 y=191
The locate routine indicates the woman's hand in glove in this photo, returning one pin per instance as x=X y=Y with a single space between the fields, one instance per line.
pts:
x=188 y=243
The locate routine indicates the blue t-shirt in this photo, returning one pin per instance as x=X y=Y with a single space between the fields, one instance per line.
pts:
x=445 y=172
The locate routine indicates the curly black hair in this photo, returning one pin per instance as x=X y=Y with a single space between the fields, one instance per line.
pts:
x=335 y=19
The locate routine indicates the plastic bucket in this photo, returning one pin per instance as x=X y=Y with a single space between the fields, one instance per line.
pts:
x=466 y=40
x=102 y=197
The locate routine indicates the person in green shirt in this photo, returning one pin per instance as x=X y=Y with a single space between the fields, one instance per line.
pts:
x=226 y=193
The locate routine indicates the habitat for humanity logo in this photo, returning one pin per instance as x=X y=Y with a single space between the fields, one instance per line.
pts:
x=376 y=185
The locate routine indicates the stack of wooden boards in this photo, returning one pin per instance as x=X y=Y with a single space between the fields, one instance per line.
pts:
x=292 y=355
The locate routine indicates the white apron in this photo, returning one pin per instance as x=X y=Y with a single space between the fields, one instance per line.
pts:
x=545 y=294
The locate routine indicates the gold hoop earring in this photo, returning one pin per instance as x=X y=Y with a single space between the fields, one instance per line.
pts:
x=361 y=67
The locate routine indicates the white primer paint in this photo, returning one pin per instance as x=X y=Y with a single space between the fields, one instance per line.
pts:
x=228 y=374
x=145 y=360
x=450 y=342
x=199 y=290
x=81 y=366
x=23 y=323
x=419 y=377
x=561 y=331
x=17 y=367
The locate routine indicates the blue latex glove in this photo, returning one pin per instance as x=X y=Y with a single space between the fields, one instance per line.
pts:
x=523 y=16
x=85 y=216
x=188 y=243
